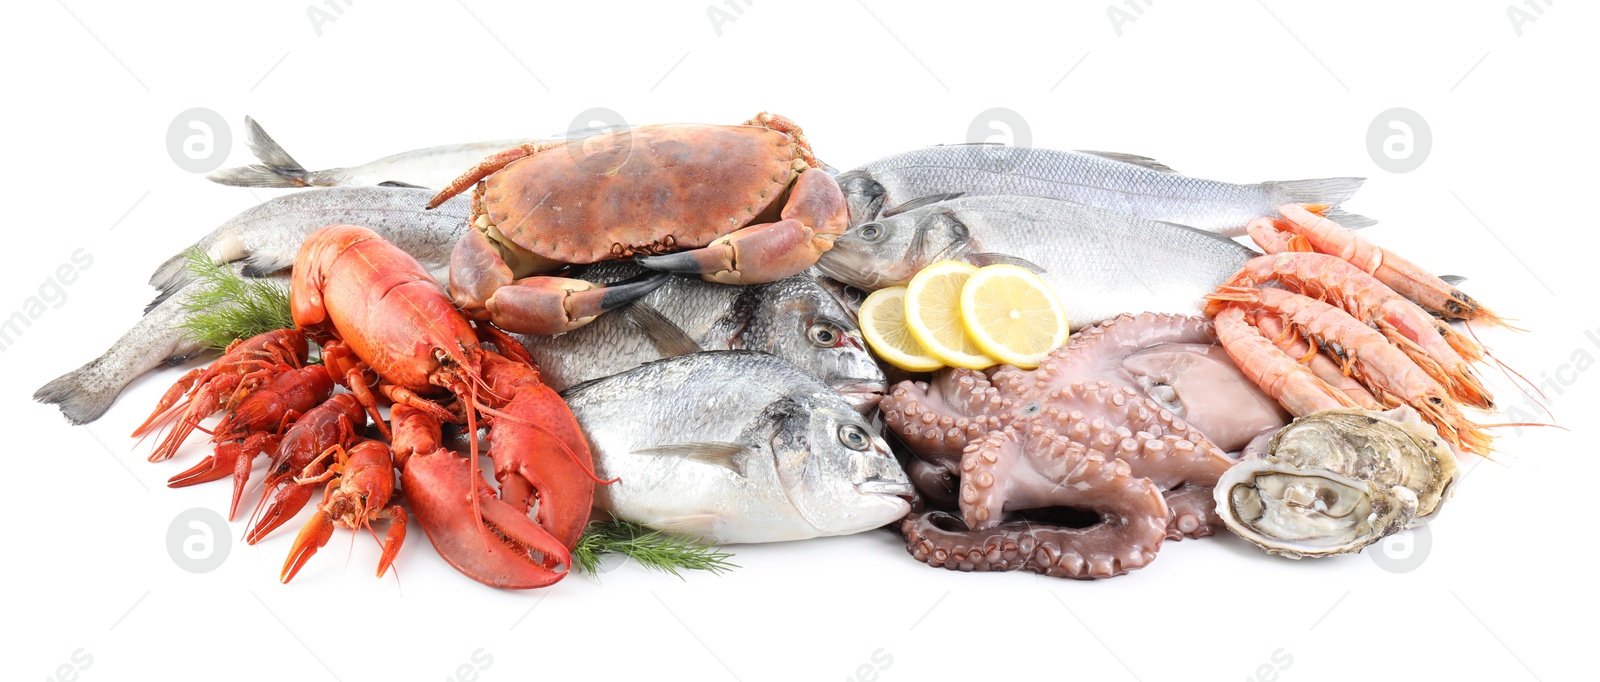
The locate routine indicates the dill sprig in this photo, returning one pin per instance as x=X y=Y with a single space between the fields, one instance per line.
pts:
x=652 y=549
x=226 y=306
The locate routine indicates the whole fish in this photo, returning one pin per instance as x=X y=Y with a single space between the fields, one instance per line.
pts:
x=266 y=237
x=736 y=446
x=795 y=319
x=156 y=340
x=1100 y=262
x=433 y=167
x=1122 y=182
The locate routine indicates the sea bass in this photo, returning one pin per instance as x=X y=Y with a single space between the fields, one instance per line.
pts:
x=795 y=319
x=432 y=167
x=265 y=237
x=1100 y=262
x=1122 y=182
x=736 y=446
x=157 y=340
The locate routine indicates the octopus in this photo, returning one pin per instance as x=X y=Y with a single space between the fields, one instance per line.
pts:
x=1083 y=467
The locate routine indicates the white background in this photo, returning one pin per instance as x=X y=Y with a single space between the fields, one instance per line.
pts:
x=1240 y=90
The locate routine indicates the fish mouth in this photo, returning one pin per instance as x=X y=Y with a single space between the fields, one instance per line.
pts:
x=853 y=269
x=863 y=395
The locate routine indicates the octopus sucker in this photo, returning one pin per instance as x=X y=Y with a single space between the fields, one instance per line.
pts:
x=1085 y=432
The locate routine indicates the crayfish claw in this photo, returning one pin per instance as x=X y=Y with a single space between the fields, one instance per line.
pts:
x=312 y=537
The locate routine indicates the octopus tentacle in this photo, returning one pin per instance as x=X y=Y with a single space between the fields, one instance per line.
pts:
x=937 y=419
x=1132 y=526
x=1194 y=512
x=1080 y=433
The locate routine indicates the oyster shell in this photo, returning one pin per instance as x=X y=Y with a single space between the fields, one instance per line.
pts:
x=1335 y=481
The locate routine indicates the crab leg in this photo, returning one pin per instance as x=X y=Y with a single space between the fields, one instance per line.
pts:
x=815 y=215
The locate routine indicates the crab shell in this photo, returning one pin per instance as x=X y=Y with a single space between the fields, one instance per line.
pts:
x=649 y=190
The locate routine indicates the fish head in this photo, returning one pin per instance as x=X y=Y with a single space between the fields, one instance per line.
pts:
x=837 y=472
x=864 y=195
x=888 y=251
x=798 y=320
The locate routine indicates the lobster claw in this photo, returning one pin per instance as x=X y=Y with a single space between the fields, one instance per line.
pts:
x=498 y=545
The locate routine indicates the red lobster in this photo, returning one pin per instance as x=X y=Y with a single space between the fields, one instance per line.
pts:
x=384 y=323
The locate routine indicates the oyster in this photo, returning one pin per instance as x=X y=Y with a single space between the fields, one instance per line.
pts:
x=1335 y=481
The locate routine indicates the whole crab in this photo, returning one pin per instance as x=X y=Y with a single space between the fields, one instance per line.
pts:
x=736 y=204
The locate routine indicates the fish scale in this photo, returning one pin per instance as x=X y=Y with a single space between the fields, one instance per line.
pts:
x=1100 y=262
x=1121 y=182
x=736 y=446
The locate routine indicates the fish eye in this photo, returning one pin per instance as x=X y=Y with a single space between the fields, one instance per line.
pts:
x=871 y=231
x=854 y=437
x=825 y=335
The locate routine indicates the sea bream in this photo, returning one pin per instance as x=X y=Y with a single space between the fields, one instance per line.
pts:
x=1130 y=184
x=736 y=446
x=1100 y=262
x=795 y=319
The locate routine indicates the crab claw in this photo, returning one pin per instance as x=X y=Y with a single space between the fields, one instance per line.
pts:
x=484 y=287
x=815 y=215
x=499 y=546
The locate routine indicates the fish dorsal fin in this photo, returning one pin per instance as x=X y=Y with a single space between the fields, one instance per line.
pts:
x=726 y=455
x=1453 y=280
x=668 y=338
x=403 y=185
x=917 y=203
x=1135 y=159
x=987 y=258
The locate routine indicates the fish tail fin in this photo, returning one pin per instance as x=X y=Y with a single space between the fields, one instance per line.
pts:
x=1354 y=221
x=1331 y=191
x=276 y=167
x=81 y=401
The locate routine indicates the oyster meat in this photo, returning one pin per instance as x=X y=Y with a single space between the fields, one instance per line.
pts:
x=1335 y=481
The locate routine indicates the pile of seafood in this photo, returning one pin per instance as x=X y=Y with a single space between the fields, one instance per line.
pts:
x=657 y=325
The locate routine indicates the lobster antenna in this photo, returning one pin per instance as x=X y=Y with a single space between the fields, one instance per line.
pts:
x=476 y=475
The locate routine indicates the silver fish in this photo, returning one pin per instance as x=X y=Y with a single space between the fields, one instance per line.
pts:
x=157 y=340
x=1123 y=182
x=432 y=168
x=736 y=446
x=795 y=319
x=266 y=237
x=1100 y=262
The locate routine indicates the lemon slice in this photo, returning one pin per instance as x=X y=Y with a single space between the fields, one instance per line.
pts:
x=1012 y=315
x=883 y=323
x=933 y=314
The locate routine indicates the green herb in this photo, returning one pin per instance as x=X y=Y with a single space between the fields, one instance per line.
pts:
x=227 y=306
x=652 y=549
